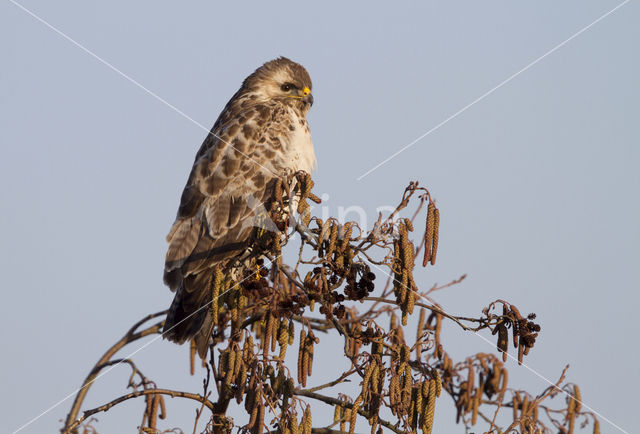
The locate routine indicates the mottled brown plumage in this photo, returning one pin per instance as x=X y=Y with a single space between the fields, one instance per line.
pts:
x=261 y=133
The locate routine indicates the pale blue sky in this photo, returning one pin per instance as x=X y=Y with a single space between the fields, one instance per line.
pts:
x=537 y=183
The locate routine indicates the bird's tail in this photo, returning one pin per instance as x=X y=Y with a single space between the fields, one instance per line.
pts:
x=190 y=315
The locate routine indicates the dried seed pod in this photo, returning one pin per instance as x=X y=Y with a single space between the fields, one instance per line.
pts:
x=218 y=281
x=223 y=363
x=309 y=352
x=438 y=380
x=239 y=364
x=577 y=397
x=516 y=404
x=419 y=403
x=147 y=411
x=438 y=329
x=337 y=413
x=231 y=363
x=266 y=339
x=474 y=407
x=260 y=425
x=306 y=420
x=346 y=415
x=502 y=344
x=247 y=350
x=283 y=339
x=470 y=380
x=429 y=409
x=291 y=332
x=302 y=369
x=275 y=324
x=293 y=424
x=345 y=235
x=394 y=391
x=257 y=403
x=153 y=416
x=412 y=417
x=434 y=248
x=354 y=414
x=375 y=378
x=407 y=385
x=411 y=301
x=520 y=353
x=366 y=380
x=333 y=237
x=163 y=409
x=428 y=233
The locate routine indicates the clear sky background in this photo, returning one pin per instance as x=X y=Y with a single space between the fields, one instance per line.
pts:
x=537 y=182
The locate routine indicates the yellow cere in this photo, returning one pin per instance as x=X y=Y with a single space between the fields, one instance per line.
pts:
x=306 y=91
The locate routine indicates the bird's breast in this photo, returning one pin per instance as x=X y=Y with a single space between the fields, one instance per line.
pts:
x=300 y=152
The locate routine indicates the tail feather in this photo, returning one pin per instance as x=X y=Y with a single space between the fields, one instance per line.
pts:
x=189 y=310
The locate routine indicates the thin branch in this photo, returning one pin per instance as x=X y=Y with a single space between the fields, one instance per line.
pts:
x=107 y=406
x=331 y=383
x=131 y=336
x=334 y=401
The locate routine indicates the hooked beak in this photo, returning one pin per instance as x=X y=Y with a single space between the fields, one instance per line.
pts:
x=306 y=95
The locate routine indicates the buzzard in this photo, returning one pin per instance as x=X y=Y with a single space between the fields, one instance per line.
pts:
x=261 y=134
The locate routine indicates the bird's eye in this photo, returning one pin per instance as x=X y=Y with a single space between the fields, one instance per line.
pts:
x=286 y=87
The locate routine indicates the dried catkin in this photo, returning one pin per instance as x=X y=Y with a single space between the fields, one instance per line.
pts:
x=293 y=424
x=291 y=333
x=419 y=402
x=257 y=403
x=283 y=339
x=239 y=366
x=474 y=409
x=429 y=409
x=231 y=363
x=333 y=237
x=428 y=234
x=306 y=420
x=301 y=356
x=266 y=335
x=337 y=412
x=470 y=380
x=218 y=281
x=516 y=404
x=274 y=333
x=434 y=248
x=577 y=397
x=260 y=424
x=354 y=414
x=309 y=351
x=346 y=415
x=438 y=383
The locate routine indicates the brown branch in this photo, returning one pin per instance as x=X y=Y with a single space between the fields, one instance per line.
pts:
x=435 y=309
x=331 y=383
x=334 y=401
x=131 y=336
x=172 y=393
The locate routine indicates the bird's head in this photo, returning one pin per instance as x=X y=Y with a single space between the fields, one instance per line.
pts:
x=281 y=79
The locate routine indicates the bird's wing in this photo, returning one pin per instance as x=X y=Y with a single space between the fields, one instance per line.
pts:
x=227 y=185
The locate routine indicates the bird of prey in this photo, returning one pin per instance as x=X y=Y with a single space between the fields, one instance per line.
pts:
x=261 y=133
